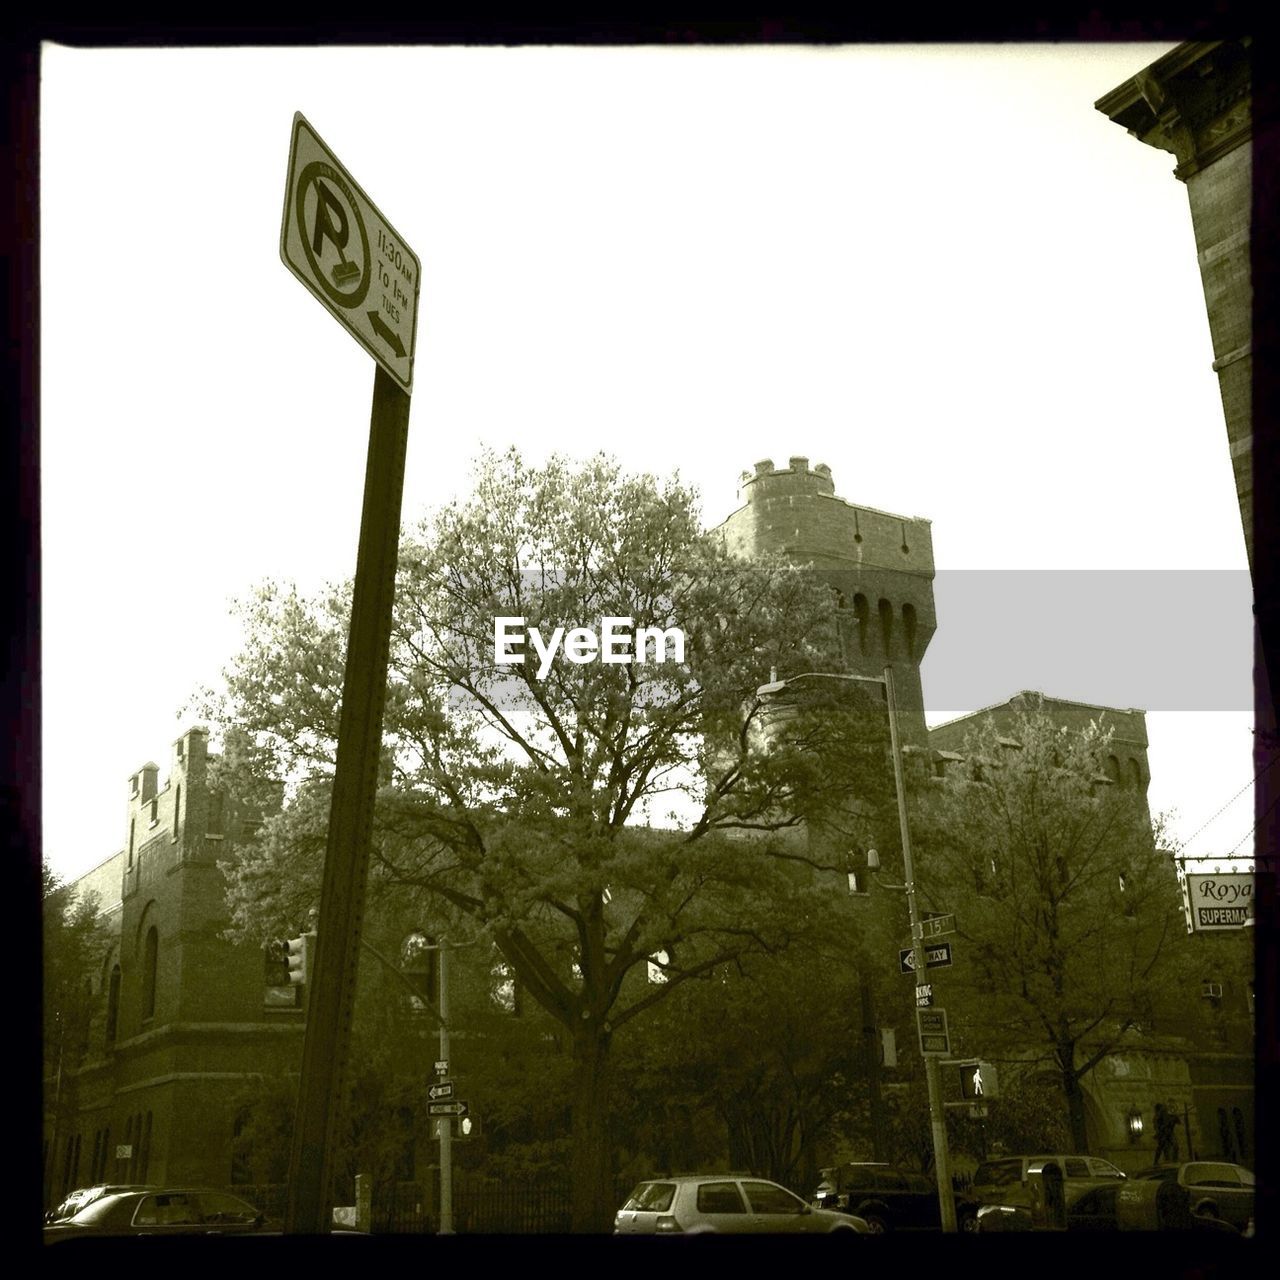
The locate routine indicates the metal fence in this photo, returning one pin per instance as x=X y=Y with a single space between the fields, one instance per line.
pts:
x=480 y=1205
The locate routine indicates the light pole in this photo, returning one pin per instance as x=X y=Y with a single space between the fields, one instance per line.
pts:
x=937 y=1112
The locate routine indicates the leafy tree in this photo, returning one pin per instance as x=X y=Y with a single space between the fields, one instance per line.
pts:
x=513 y=795
x=757 y=1065
x=1066 y=906
x=75 y=942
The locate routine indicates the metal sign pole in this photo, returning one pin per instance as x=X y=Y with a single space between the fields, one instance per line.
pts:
x=937 y=1113
x=445 y=1122
x=332 y=995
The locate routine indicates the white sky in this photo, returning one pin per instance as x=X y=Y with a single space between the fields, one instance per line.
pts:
x=937 y=269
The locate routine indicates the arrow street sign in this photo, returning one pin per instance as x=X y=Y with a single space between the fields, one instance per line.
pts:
x=932 y=1026
x=936 y=926
x=935 y=957
x=442 y=1090
x=446 y=1108
x=335 y=240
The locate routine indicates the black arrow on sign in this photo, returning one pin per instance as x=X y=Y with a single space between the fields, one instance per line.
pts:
x=389 y=336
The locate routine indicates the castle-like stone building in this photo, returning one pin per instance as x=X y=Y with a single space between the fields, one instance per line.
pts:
x=187 y=1019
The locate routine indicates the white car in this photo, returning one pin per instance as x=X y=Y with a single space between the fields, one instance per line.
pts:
x=737 y=1203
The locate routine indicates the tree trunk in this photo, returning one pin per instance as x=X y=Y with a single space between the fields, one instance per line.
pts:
x=1075 y=1100
x=592 y=1166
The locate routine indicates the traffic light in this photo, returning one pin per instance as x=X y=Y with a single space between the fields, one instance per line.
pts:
x=299 y=955
x=978 y=1081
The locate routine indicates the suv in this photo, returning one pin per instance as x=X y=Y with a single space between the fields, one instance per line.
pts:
x=1003 y=1181
x=695 y=1204
x=887 y=1199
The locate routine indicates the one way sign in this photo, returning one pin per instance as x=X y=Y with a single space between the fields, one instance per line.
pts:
x=937 y=956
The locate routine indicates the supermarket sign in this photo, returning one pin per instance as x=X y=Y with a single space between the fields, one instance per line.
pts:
x=1220 y=901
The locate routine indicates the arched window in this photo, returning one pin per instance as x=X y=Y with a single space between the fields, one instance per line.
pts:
x=242 y=1148
x=144 y=1150
x=113 y=1004
x=177 y=807
x=1113 y=769
x=1242 y=1141
x=405 y=1165
x=909 y=628
x=1135 y=774
x=150 y=957
x=862 y=611
x=1225 y=1137
x=886 y=626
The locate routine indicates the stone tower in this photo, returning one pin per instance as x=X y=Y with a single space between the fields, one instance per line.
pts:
x=880 y=566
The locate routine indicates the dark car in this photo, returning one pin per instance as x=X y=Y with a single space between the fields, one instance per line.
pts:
x=82 y=1197
x=1002 y=1181
x=160 y=1211
x=1095 y=1210
x=1208 y=1189
x=885 y=1198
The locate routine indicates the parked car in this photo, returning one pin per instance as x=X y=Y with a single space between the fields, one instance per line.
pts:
x=1003 y=1181
x=885 y=1198
x=159 y=1211
x=81 y=1197
x=696 y=1204
x=1207 y=1189
x=1095 y=1210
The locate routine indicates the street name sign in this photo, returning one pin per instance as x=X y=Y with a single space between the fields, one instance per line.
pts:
x=936 y=926
x=935 y=957
x=442 y=1068
x=924 y=995
x=446 y=1108
x=442 y=1090
x=932 y=1026
x=354 y=262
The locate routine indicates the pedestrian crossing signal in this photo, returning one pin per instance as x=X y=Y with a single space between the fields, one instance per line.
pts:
x=978 y=1081
x=461 y=1127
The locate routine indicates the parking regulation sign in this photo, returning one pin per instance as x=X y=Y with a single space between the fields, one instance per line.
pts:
x=354 y=262
x=934 y=1037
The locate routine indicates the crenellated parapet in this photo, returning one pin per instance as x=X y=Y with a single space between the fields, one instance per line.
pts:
x=878 y=565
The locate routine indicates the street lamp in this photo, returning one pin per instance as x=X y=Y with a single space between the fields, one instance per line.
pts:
x=937 y=1112
x=1133 y=1122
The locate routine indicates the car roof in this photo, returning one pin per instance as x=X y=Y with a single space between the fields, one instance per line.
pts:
x=705 y=1177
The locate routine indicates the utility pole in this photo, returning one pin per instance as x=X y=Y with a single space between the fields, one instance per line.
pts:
x=446 y=1122
x=937 y=1112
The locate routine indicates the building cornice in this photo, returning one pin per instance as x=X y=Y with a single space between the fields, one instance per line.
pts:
x=1195 y=102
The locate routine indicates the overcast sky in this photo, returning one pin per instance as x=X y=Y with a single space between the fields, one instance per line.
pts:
x=937 y=269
